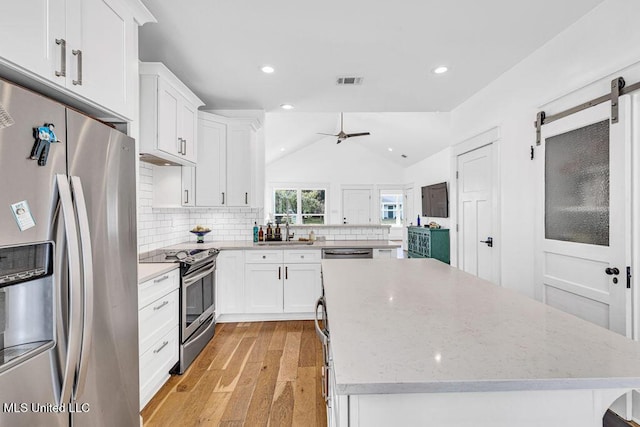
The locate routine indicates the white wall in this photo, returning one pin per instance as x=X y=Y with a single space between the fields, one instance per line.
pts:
x=603 y=42
x=333 y=165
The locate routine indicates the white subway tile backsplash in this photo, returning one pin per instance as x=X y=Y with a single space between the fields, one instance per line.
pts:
x=160 y=227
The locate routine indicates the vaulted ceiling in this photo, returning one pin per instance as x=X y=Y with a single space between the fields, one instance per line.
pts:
x=218 y=48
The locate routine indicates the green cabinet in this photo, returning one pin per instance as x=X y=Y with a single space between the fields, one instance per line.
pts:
x=429 y=243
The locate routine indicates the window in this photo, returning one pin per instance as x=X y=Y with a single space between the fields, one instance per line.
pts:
x=300 y=206
x=391 y=208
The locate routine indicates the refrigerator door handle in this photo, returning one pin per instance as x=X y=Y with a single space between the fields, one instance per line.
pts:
x=75 y=303
x=87 y=281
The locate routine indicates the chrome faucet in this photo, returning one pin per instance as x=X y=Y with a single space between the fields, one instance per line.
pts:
x=287 y=236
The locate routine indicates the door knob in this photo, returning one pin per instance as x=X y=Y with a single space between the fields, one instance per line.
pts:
x=612 y=271
x=489 y=241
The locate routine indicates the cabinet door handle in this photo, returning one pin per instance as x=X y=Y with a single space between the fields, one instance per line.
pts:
x=186 y=195
x=78 y=54
x=246 y=198
x=158 y=307
x=223 y=197
x=63 y=57
x=184 y=144
x=279 y=273
x=179 y=145
x=159 y=349
x=163 y=278
x=286 y=272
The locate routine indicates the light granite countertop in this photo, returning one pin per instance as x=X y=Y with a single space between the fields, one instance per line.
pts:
x=421 y=326
x=148 y=271
x=248 y=244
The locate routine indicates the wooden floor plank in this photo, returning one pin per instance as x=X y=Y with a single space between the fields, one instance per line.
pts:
x=238 y=404
x=304 y=397
x=250 y=374
x=263 y=341
x=213 y=410
x=289 y=362
x=279 y=335
x=237 y=361
x=282 y=407
x=260 y=405
x=307 y=348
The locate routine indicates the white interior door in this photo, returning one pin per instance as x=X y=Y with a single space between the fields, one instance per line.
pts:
x=356 y=206
x=409 y=217
x=476 y=244
x=584 y=221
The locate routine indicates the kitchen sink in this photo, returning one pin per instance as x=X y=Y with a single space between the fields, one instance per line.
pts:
x=289 y=243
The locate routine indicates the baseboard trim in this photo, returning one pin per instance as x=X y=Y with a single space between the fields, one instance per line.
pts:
x=262 y=317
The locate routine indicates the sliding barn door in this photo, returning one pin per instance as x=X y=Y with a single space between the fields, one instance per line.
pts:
x=585 y=216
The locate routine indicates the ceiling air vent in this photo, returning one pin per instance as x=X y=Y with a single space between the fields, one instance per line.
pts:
x=349 y=81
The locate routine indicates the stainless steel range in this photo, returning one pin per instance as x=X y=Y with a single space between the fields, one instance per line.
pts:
x=197 y=298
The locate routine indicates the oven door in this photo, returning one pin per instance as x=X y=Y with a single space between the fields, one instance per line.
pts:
x=197 y=299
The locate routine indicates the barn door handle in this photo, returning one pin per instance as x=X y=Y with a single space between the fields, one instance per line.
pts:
x=489 y=241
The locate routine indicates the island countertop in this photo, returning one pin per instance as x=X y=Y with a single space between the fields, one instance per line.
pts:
x=421 y=326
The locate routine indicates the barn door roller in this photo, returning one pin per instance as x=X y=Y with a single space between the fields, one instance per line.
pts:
x=618 y=88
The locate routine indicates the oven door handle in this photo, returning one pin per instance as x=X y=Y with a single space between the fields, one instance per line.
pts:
x=191 y=280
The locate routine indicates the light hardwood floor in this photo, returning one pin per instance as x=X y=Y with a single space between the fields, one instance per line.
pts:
x=250 y=374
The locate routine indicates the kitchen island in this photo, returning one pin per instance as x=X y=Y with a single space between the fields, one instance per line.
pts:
x=417 y=342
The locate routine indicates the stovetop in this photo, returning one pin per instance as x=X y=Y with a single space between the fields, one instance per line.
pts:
x=186 y=256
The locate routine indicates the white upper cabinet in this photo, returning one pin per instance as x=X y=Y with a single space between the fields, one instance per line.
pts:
x=85 y=48
x=239 y=164
x=168 y=115
x=211 y=173
x=227 y=153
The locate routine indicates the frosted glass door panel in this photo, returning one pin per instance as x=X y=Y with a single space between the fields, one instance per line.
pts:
x=577 y=185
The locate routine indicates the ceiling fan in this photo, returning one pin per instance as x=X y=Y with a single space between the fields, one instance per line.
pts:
x=342 y=135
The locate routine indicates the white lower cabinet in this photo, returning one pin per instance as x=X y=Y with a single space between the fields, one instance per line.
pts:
x=158 y=323
x=302 y=287
x=264 y=288
x=281 y=281
x=230 y=282
x=385 y=253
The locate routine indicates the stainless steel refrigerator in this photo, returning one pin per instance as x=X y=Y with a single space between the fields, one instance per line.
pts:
x=68 y=267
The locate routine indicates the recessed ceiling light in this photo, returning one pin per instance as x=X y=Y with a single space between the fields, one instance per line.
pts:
x=282 y=149
x=167 y=164
x=267 y=69
x=390 y=149
x=440 y=70
x=286 y=106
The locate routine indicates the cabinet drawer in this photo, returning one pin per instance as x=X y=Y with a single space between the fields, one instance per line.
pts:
x=384 y=253
x=264 y=257
x=155 y=364
x=156 y=319
x=296 y=256
x=153 y=289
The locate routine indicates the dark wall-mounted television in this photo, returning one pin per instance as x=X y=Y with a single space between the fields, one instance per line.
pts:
x=435 y=201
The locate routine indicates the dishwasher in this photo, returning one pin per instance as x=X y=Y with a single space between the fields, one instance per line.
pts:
x=347 y=253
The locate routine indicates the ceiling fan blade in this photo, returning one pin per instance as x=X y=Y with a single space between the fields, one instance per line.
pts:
x=328 y=134
x=350 y=135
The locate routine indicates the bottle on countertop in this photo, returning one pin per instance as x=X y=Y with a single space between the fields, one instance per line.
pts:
x=278 y=232
x=312 y=236
x=260 y=235
x=269 y=232
x=418 y=221
x=255 y=231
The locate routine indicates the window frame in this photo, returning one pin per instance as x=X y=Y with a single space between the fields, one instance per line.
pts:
x=299 y=188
